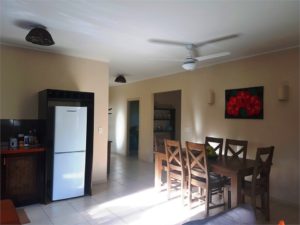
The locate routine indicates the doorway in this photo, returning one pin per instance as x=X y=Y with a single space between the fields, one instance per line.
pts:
x=133 y=128
x=167 y=117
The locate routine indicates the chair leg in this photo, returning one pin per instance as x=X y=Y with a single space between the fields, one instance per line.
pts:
x=182 y=191
x=190 y=195
x=210 y=196
x=168 y=186
x=267 y=210
x=223 y=194
x=200 y=192
x=229 y=198
x=207 y=202
x=253 y=202
x=263 y=203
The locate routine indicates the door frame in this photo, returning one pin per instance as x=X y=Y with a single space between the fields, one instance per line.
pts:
x=180 y=118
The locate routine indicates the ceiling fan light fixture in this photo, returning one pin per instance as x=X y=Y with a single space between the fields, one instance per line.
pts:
x=39 y=36
x=189 y=64
x=120 y=79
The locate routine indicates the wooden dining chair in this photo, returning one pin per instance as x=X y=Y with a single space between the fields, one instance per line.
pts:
x=260 y=180
x=215 y=143
x=236 y=148
x=198 y=174
x=176 y=172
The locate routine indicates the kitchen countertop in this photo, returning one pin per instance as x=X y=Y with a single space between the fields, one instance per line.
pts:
x=22 y=150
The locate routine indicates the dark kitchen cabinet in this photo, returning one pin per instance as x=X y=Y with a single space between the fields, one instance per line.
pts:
x=22 y=177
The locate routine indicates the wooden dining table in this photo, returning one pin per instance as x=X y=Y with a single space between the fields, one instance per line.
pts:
x=234 y=168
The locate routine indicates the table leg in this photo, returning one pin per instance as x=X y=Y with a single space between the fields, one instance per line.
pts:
x=235 y=191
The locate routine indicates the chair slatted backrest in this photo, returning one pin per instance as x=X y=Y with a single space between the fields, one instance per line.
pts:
x=174 y=156
x=215 y=143
x=197 y=162
x=261 y=174
x=235 y=148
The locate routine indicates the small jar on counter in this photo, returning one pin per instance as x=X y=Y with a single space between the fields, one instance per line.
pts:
x=21 y=140
x=13 y=143
x=26 y=141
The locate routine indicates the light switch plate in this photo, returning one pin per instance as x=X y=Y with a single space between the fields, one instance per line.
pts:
x=100 y=130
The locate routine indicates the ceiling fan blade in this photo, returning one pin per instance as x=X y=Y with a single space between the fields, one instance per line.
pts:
x=206 y=57
x=216 y=39
x=168 y=42
x=167 y=59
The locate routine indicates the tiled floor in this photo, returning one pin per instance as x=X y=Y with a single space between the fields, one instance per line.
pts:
x=128 y=198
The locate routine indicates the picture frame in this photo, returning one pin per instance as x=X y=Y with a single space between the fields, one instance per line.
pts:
x=244 y=103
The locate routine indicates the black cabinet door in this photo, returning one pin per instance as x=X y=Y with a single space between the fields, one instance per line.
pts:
x=21 y=180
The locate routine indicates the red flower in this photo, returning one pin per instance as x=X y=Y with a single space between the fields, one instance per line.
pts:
x=244 y=100
x=253 y=107
x=233 y=106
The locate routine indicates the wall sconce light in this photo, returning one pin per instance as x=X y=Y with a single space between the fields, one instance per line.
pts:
x=211 y=97
x=283 y=92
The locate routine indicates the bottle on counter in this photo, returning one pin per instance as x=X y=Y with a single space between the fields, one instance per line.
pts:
x=21 y=140
x=35 y=140
x=30 y=136
x=26 y=141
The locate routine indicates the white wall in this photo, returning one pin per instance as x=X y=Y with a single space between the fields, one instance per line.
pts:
x=25 y=72
x=279 y=126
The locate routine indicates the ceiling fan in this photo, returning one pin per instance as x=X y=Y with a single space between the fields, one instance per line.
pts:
x=190 y=62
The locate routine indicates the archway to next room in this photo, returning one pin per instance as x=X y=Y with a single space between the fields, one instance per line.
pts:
x=167 y=117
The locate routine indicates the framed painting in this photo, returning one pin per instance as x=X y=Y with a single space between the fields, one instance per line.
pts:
x=244 y=103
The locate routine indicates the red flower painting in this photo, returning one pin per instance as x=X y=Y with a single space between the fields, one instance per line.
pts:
x=244 y=103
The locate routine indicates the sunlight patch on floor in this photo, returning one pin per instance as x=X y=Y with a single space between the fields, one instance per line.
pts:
x=148 y=207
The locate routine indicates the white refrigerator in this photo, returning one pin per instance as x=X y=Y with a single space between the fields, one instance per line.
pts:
x=70 y=125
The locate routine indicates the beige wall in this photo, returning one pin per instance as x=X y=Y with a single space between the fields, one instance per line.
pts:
x=279 y=126
x=25 y=72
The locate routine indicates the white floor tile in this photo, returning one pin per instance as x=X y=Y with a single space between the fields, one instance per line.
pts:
x=58 y=209
x=82 y=203
x=41 y=222
x=36 y=214
x=99 y=215
x=70 y=219
x=112 y=222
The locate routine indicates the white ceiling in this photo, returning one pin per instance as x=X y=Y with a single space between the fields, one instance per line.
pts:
x=117 y=32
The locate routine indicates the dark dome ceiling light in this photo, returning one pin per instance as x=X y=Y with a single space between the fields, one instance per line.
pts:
x=120 y=79
x=39 y=36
